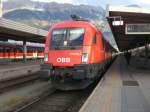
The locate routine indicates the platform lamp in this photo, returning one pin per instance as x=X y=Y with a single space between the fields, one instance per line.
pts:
x=1 y=9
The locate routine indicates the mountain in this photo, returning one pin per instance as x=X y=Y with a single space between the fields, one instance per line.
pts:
x=91 y=2
x=30 y=3
x=134 y=5
x=43 y=15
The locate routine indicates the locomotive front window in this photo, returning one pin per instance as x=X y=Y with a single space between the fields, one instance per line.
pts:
x=69 y=38
x=57 y=37
x=76 y=37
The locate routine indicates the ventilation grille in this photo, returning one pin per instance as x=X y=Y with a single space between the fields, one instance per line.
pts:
x=130 y=83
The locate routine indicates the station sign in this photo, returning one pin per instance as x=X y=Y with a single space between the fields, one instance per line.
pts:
x=117 y=23
x=137 y=29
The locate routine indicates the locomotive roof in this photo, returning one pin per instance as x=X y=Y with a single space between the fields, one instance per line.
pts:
x=72 y=23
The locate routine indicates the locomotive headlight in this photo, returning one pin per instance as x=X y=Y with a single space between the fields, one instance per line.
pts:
x=85 y=57
x=46 y=57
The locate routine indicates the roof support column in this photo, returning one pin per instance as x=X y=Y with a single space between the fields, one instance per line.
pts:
x=146 y=50
x=1 y=8
x=24 y=51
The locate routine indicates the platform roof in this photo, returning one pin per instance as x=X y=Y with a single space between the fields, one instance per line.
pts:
x=18 y=31
x=128 y=15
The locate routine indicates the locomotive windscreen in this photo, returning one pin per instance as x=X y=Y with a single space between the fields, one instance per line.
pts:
x=69 y=38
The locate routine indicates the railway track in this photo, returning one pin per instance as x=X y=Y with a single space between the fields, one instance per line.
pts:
x=50 y=101
x=15 y=82
x=58 y=101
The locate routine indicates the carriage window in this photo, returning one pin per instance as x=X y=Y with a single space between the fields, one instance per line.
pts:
x=1 y=50
x=19 y=50
x=7 y=50
x=40 y=50
x=103 y=42
x=94 y=39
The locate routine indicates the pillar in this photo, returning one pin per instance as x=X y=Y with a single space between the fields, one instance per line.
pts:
x=146 y=50
x=1 y=8
x=24 y=51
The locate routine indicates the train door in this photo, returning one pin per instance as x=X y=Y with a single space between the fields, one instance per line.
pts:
x=19 y=52
x=35 y=53
x=1 y=52
x=97 y=48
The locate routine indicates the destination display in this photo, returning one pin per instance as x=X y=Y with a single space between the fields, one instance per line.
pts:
x=137 y=29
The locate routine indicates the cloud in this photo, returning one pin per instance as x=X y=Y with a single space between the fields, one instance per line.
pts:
x=142 y=3
x=59 y=1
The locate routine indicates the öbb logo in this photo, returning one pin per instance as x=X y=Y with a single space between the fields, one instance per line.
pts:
x=63 y=60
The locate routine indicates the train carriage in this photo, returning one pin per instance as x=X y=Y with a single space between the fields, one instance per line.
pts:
x=10 y=51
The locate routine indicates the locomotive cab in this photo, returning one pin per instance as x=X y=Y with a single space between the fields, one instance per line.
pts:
x=74 y=54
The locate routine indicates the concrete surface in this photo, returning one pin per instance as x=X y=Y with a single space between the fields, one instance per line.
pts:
x=17 y=70
x=19 y=96
x=124 y=88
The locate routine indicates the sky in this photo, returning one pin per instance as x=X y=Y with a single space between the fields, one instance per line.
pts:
x=142 y=3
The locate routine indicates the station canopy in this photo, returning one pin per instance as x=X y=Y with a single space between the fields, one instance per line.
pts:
x=130 y=26
x=20 y=32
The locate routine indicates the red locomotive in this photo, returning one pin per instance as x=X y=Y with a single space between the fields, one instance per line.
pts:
x=75 y=54
x=11 y=51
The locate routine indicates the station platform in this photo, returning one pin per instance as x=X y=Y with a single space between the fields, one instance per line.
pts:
x=124 y=88
x=18 y=69
x=19 y=64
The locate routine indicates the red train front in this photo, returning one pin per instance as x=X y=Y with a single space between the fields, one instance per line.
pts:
x=75 y=54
